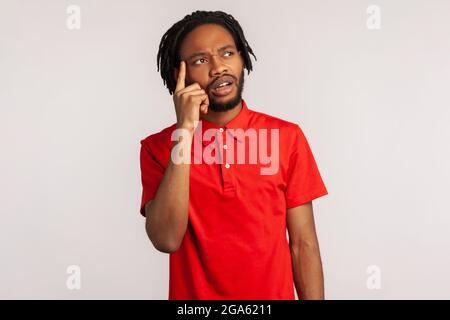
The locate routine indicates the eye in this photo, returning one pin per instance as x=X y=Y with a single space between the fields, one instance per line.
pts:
x=195 y=62
x=230 y=52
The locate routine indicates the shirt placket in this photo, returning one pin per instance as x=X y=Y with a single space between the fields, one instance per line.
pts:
x=226 y=168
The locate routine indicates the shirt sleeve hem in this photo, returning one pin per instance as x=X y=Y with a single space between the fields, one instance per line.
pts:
x=142 y=210
x=295 y=202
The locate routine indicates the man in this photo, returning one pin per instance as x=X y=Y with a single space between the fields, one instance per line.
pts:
x=224 y=222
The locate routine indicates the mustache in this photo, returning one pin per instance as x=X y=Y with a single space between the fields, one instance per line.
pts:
x=211 y=85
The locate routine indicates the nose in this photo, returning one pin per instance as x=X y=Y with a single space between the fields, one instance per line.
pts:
x=217 y=66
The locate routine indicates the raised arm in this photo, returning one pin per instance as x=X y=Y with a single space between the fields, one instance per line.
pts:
x=167 y=214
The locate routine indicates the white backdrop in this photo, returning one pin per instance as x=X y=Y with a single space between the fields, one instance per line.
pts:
x=74 y=104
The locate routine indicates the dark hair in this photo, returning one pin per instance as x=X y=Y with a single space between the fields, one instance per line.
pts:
x=168 y=53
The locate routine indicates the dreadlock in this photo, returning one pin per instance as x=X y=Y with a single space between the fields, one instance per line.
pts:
x=168 y=53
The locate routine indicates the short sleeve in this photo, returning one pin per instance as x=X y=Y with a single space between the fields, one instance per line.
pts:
x=304 y=182
x=152 y=173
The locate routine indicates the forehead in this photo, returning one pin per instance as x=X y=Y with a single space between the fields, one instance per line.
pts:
x=205 y=37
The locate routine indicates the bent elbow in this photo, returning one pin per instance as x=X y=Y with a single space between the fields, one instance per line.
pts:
x=166 y=247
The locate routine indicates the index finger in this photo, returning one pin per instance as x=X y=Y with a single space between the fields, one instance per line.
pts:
x=181 y=76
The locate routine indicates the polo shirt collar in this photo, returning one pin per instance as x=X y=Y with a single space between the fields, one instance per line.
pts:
x=241 y=121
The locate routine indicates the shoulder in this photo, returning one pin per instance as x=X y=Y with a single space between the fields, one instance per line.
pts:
x=159 y=140
x=269 y=121
x=289 y=131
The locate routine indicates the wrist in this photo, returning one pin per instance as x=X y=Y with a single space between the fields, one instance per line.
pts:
x=186 y=126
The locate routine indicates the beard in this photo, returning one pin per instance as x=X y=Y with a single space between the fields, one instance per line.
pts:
x=230 y=104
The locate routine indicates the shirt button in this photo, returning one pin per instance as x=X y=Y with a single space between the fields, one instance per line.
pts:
x=227 y=166
x=221 y=129
x=225 y=146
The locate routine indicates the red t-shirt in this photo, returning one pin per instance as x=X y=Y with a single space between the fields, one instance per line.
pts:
x=235 y=245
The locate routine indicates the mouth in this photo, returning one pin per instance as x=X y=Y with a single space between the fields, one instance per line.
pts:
x=223 y=89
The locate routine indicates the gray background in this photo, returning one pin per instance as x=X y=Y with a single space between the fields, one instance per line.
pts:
x=374 y=105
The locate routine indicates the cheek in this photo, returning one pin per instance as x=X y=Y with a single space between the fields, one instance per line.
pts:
x=240 y=62
x=198 y=76
x=237 y=67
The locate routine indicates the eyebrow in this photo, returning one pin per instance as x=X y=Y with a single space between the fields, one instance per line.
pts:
x=203 y=53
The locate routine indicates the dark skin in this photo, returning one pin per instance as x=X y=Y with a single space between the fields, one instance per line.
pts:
x=204 y=70
x=216 y=61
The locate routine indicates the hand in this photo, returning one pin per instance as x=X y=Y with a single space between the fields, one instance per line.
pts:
x=189 y=101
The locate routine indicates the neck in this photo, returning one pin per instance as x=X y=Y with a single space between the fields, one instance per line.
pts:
x=222 y=118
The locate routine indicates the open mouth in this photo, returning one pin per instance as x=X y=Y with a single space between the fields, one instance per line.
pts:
x=223 y=89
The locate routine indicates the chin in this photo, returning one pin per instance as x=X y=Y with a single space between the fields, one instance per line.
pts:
x=224 y=103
